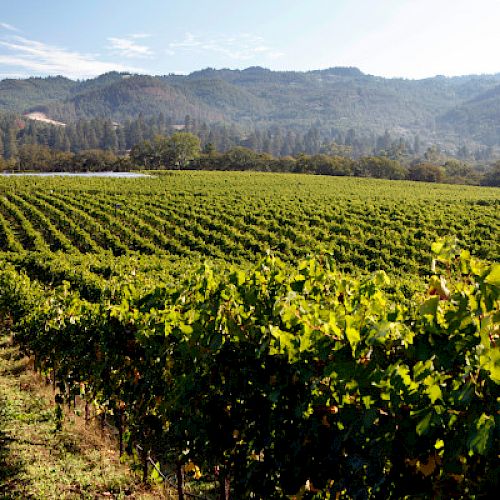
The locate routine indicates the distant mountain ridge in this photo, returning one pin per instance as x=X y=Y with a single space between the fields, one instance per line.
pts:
x=452 y=110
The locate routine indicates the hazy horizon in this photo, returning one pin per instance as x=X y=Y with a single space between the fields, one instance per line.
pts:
x=21 y=77
x=389 y=38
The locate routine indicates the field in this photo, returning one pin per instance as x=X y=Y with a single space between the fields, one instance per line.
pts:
x=237 y=217
x=271 y=334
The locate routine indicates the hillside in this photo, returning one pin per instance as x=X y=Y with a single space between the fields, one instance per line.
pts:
x=478 y=118
x=129 y=97
x=444 y=110
x=20 y=95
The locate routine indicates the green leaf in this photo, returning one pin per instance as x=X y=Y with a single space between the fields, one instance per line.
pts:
x=240 y=277
x=368 y=401
x=480 y=435
x=186 y=329
x=424 y=424
x=284 y=343
x=381 y=279
x=155 y=476
x=437 y=247
x=490 y=361
x=493 y=277
x=351 y=333
x=439 y=444
x=464 y=261
x=430 y=306
x=434 y=393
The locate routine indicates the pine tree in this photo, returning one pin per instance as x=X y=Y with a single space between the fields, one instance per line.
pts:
x=59 y=139
x=10 y=143
x=277 y=143
x=416 y=145
x=136 y=134
x=122 y=141
x=350 y=137
x=92 y=140
x=109 y=139
x=160 y=123
x=66 y=144
x=288 y=145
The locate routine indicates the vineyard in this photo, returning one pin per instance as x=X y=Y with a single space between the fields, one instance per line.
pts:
x=272 y=335
x=366 y=224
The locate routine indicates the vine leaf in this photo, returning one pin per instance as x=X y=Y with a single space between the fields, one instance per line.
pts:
x=480 y=436
x=493 y=277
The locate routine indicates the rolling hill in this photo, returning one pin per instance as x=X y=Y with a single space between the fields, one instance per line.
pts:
x=444 y=110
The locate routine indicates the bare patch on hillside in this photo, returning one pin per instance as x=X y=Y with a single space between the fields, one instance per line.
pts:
x=42 y=117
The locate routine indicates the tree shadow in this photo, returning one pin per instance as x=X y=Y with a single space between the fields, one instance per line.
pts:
x=10 y=467
x=8 y=355
x=15 y=370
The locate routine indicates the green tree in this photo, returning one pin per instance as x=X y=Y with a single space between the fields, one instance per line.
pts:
x=109 y=140
x=326 y=165
x=34 y=157
x=416 y=145
x=426 y=172
x=10 y=143
x=380 y=167
x=492 y=178
x=181 y=148
x=162 y=151
x=458 y=171
x=142 y=154
x=433 y=154
x=336 y=149
x=209 y=149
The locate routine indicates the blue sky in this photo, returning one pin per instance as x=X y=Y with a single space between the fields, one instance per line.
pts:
x=392 y=38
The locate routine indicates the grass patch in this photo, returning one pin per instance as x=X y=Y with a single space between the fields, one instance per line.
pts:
x=38 y=463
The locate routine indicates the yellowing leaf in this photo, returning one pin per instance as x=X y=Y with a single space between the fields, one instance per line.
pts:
x=240 y=276
x=191 y=467
x=427 y=468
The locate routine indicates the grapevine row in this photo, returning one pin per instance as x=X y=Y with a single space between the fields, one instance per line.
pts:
x=288 y=378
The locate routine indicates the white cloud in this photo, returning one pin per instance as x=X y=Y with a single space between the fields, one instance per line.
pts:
x=140 y=35
x=127 y=47
x=242 y=47
x=7 y=26
x=46 y=59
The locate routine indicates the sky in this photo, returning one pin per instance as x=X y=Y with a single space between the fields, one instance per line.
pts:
x=390 y=38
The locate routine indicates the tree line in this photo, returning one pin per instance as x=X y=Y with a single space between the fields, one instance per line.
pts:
x=183 y=150
x=100 y=133
x=157 y=143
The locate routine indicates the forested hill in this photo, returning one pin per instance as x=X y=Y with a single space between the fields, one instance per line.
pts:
x=454 y=110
